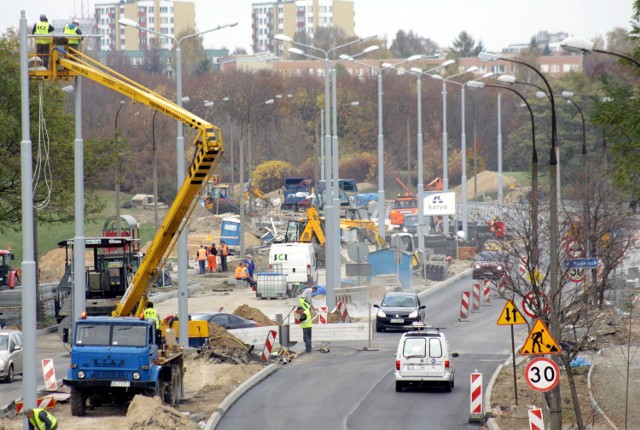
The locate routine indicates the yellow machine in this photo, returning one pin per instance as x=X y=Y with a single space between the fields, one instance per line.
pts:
x=357 y=218
x=66 y=62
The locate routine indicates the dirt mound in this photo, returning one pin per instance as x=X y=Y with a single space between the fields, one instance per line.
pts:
x=146 y=412
x=225 y=342
x=253 y=314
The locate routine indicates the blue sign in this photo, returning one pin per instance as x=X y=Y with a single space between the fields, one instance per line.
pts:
x=581 y=263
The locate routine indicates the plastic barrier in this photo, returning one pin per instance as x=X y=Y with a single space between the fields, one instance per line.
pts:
x=49 y=373
x=475 y=303
x=475 y=411
x=268 y=345
x=536 y=420
x=464 y=307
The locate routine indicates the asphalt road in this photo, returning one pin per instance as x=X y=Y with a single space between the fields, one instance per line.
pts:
x=352 y=388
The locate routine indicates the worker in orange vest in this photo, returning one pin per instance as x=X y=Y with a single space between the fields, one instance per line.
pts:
x=202 y=258
x=224 y=251
x=212 y=253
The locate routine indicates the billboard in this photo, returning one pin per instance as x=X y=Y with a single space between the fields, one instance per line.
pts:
x=440 y=204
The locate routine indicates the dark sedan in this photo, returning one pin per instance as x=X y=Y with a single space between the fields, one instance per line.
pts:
x=488 y=265
x=228 y=321
x=399 y=310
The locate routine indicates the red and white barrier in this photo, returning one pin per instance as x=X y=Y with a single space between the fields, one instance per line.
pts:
x=475 y=411
x=464 y=307
x=486 y=293
x=536 y=420
x=475 y=302
x=322 y=314
x=43 y=402
x=268 y=345
x=49 y=373
x=342 y=310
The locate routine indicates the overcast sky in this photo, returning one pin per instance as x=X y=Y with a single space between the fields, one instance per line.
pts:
x=497 y=23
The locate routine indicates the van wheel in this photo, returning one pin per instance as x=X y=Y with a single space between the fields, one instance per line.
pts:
x=399 y=386
x=453 y=382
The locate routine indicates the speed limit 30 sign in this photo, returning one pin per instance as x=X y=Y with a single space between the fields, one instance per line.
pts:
x=542 y=374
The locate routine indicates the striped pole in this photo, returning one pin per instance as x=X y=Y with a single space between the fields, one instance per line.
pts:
x=268 y=345
x=486 y=293
x=475 y=412
x=464 y=307
x=536 y=420
x=475 y=304
x=49 y=373
x=322 y=314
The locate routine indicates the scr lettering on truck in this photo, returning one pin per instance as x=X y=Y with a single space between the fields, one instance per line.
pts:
x=280 y=257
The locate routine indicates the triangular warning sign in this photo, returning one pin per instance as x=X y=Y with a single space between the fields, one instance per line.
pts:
x=510 y=315
x=540 y=341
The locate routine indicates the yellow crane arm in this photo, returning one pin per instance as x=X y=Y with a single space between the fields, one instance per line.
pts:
x=314 y=225
x=209 y=149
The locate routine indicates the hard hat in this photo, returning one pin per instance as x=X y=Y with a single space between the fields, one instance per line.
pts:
x=76 y=21
x=43 y=17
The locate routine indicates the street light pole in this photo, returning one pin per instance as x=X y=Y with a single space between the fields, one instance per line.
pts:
x=584 y=46
x=183 y=256
x=554 y=287
x=332 y=245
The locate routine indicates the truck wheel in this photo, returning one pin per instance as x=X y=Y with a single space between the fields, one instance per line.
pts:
x=172 y=395
x=78 y=402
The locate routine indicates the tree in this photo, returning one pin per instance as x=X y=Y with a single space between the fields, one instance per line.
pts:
x=464 y=46
x=52 y=141
x=192 y=51
x=406 y=44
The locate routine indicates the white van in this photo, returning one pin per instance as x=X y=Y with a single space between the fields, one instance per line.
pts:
x=297 y=261
x=424 y=357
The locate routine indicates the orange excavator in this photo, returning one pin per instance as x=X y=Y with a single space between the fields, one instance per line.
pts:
x=407 y=204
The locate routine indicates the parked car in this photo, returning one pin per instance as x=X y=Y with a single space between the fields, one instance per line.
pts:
x=399 y=310
x=10 y=354
x=424 y=357
x=488 y=265
x=228 y=321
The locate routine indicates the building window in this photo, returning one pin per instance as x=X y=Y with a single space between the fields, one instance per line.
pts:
x=151 y=20
x=544 y=68
x=555 y=68
x=164 y=20
x=164 y=9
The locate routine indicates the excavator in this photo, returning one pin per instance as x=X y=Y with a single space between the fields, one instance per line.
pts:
x=115 y=357
x=408 y=203
x=309 y=229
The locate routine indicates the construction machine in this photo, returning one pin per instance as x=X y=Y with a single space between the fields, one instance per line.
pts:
x=309 y=229
x=9 y=277
x=355 y=224
x=407 y=204
x=115 y=357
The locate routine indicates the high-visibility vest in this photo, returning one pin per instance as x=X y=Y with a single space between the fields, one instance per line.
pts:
x=202 y=254
x=68 y=29
x=225 y=250
x=152 y=314
x=36 y=419
x=42 y=27
x=307 y=323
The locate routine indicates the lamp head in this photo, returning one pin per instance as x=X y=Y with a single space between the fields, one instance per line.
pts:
x=296 y=51
x=475 y=84
x=567 y=94
x=282 y=38
x=541 y=94
x=447 y=63
x=269 y=102
x=577 y=44
x=507 y=79
x=415 y=57
x=437 y=77
x=487 y=56
x=416 y=70
x=487 y=75
x=471 y=69
x=387 y=66
x=370 y=49
x=127 y=22
x=346 y=57
x=208 y=103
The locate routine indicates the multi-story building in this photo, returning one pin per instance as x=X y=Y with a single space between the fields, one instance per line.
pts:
x=162 y=16
x=289 y=17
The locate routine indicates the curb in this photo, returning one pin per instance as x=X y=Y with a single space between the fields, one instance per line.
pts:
x=593 y=401
x=444 y=283
x=491 y=422
x=235 y=395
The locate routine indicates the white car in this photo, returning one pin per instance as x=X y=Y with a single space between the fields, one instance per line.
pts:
x=424 y=357
x=10 y=354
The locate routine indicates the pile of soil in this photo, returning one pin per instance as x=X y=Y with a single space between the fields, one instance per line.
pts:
x=253 y=314
x=146 y=412
x=225 y=342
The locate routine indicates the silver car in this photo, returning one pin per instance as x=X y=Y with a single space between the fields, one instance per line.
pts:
x=10 y=354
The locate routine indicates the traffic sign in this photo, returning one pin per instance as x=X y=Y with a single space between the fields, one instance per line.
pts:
x=581 y=263
x=510 y=315
x=573 y=248
x=576 y=275
x=542 y=374
x=534 y=301
x=540 y=341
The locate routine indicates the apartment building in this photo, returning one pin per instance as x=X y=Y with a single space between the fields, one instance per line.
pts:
x=291 y=16
x=162 y=16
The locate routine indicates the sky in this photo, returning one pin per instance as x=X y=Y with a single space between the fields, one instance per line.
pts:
x=497 y=23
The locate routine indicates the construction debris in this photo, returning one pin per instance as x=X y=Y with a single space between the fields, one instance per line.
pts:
x=146 y=413
x=253 y=314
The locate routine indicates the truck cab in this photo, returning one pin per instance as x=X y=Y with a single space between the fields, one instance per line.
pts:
x=113 y=359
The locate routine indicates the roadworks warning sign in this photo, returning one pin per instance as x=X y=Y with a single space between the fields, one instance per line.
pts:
x=540 y=341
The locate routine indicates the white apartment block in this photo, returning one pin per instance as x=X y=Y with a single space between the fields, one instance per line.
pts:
x=291 y=16
x=162 y=16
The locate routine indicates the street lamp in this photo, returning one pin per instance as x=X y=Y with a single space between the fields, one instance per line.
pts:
x=445 y=145
x=584 y=46
x=183 y=311
x=463 y=146
x=332 y=213
x=554 y=288
x=534 y=165
x=418 y=73
x=381 y=197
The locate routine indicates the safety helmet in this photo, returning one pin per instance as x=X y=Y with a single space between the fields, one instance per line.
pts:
x=76 y=21
x=43 y=17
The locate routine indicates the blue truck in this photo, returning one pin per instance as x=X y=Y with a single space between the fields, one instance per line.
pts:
x=295 y=190
x=114 y=359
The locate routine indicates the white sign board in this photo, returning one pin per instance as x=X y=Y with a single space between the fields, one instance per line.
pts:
x=440 y=204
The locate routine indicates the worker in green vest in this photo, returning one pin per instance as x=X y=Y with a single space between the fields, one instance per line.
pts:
x=43 y=27
x=41 y=419
x=74 y=29
x=152 y=314
x=304 y=316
